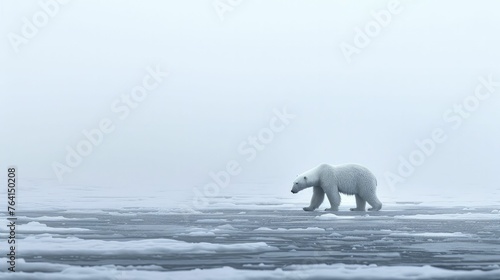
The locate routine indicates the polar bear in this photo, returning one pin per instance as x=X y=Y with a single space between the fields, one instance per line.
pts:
x=351 y=179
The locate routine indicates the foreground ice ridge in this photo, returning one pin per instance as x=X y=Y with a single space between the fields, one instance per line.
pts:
x=48 y=271
x=45 y=244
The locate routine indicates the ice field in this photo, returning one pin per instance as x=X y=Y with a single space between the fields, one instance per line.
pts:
x=80 y=236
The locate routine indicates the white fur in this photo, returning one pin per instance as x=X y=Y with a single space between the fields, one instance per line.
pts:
x=351 y=179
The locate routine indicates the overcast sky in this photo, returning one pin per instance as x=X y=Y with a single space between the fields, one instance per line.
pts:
x=228 y=77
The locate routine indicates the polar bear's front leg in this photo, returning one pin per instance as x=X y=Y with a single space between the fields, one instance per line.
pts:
x=334 y=198
x=316 y=200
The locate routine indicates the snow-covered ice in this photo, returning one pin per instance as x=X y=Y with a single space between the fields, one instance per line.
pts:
x=48 y=245
x=452 y=216
x=331 y=216
x=292 y=230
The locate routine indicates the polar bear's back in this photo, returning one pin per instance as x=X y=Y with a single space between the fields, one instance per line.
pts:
x=354 y=178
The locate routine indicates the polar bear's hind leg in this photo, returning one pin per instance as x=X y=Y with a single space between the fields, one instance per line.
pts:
x=360 y=204
x=374 y=202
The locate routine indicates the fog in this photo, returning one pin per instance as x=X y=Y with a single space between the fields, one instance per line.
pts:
x=226 y=80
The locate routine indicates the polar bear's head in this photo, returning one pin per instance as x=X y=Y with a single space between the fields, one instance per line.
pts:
x=299 y=184
x=304 y=181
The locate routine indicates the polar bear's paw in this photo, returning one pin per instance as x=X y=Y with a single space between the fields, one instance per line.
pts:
x=308 y=209
x=357 y=209
x=332 y=209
